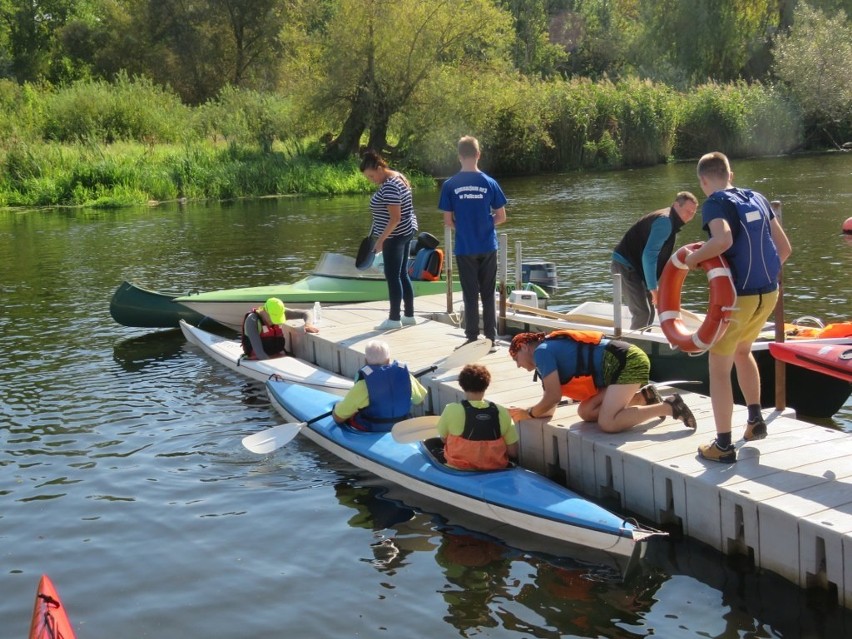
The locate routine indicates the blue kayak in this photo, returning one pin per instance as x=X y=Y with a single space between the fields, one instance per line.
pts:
x=514 y=496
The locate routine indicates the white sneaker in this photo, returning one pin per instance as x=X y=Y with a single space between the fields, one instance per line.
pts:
x=389 y=325
x=408 y=321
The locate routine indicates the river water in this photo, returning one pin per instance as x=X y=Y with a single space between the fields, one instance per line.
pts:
x=123 y=477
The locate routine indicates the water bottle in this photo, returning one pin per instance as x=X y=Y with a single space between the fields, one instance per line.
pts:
x=317 y=313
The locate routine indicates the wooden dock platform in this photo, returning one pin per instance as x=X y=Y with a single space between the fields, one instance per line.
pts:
x=786 y=504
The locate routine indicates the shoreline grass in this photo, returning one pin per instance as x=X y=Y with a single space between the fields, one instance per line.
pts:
x=130 y=174
x=130 y=143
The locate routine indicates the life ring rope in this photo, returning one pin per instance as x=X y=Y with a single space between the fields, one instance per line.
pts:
x=723 y=298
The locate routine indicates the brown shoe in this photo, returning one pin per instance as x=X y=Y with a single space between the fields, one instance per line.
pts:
x=681 y=411
x=712 y=452
x=651 y=394
x=755 y=430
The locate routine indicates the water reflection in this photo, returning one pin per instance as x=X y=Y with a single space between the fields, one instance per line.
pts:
x=477 y=572
x=135 y=353
x=489 y=583
x=679 y=589
x=373 y=512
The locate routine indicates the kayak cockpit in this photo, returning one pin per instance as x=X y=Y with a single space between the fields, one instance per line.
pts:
x=433 y=448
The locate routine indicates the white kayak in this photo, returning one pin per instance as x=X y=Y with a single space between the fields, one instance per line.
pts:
x=230 y=353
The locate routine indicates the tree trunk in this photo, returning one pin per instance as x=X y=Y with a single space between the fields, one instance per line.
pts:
x=379 y=130
x=347 y=142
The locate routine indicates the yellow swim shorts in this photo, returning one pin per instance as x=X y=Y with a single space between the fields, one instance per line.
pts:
x=747 y=321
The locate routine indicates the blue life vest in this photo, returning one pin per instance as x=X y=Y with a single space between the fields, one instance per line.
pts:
x=389 y=388
x=753 y=257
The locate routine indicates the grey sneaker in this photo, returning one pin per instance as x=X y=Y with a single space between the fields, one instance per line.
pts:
x=408 y=321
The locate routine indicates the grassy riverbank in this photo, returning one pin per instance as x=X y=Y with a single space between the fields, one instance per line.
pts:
x=130 y=173
x=130 y=142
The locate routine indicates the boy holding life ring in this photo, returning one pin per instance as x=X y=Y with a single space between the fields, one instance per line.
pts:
x=742 y=226
x=606 y=376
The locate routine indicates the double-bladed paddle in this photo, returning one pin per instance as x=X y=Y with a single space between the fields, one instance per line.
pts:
x=415 y=429
x=273 y=438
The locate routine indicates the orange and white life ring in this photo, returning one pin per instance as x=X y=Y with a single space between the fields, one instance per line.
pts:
x=723 y=296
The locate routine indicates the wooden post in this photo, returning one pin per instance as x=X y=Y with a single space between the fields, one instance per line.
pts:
x=616 y=304
x=519 y=266
x=780 y=367
x=503 y=276
x=448 y=266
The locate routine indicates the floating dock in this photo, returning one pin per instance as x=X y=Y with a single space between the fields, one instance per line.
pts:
x=786 y=504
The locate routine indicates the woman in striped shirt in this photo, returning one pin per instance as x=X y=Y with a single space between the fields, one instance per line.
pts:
x=394 y=227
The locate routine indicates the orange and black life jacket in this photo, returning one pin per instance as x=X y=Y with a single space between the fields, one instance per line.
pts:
x=588 y=378
x=585 y=382
x=481 y=445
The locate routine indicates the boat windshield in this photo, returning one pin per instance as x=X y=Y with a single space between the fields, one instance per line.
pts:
x=337 y=265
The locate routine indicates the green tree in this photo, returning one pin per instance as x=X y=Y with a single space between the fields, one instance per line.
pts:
x=376 y=54
x=813 y=61
x=704 y=39
x=31 y=30
x=195 y=46
x=533 y=53
x=598 y=35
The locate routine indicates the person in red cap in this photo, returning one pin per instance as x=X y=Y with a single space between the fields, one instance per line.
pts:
x=606 y=376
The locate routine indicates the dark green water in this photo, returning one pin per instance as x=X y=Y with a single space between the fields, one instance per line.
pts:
x=121 y=472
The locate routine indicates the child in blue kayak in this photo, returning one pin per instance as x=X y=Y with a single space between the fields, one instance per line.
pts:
x=477 y=434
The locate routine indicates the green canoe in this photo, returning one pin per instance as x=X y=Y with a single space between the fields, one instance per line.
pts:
x=335 y=280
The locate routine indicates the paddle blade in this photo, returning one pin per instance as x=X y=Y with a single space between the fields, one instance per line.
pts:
x=364 y=258
x=415 y=429
x=272 y=439
x=467 y=354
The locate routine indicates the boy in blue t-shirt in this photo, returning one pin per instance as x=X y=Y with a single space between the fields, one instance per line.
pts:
x=473 y=205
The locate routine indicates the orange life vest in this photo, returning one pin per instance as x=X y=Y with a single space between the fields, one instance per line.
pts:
x=580 y=387
x=840 y=329
x=481 y=445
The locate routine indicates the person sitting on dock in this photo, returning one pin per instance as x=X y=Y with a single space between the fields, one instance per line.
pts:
x=606 y=376
x=477 y=434
x=263 y=334
x=382 y=394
